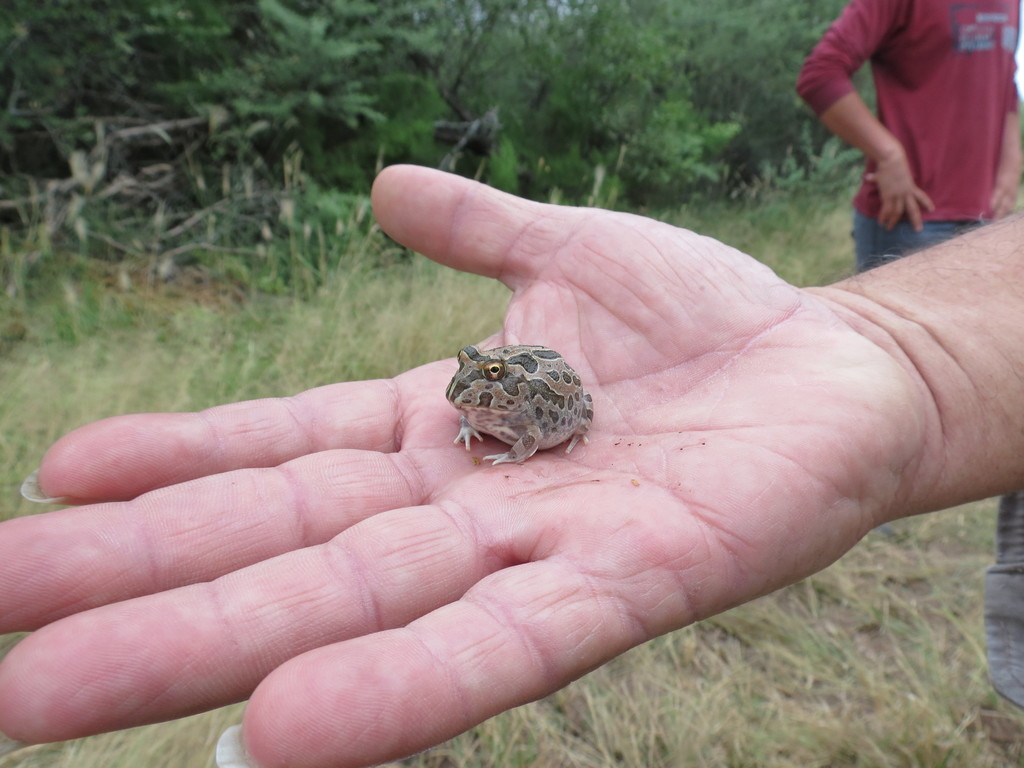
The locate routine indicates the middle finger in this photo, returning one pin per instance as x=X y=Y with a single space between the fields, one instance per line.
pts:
x=79 y=558
x=205 y=645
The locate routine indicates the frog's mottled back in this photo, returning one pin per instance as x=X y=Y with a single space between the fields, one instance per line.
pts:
x=526 y=396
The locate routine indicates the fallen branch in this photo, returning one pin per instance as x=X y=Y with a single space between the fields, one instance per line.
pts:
x=196 y=217
x=161 y=129
x=479 y=136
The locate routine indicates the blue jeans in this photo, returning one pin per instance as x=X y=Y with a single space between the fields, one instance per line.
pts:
x=875 y=245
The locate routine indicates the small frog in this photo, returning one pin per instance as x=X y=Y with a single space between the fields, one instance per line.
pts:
x=526 y=396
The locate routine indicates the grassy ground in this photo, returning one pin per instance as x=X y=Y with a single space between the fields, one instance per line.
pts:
x=876 y=662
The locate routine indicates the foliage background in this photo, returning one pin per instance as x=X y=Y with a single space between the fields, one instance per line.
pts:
x=179 y=137
x=673 y=98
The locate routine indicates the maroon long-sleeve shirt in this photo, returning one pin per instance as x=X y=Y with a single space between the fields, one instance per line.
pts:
x=943 y=73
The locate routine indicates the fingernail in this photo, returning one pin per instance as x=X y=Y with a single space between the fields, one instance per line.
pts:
x=230 y=750
x=30 y=491
x=7 y=746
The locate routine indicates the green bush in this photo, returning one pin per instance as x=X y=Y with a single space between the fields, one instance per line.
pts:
x=743 y=64
x=696 y=96
x=181 y=129
x=67 y=64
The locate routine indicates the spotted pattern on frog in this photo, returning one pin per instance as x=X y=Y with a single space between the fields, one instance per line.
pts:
x=526 y=396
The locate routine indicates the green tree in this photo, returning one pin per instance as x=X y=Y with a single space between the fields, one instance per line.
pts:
x=580 y=86
x=66 y=63
x=668 y=99
x=307 y=74
x=743 y=63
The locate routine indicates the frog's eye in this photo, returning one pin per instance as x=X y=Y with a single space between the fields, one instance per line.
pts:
x=494 y=371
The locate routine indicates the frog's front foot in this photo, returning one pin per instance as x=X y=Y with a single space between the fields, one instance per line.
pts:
x=521 y=449
x=466 y=433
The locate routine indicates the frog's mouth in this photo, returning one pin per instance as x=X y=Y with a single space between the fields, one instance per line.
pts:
x=483 y=407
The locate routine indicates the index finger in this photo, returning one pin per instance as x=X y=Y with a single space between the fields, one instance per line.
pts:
x=891 y=212
x=121 y=457
x=913 y=212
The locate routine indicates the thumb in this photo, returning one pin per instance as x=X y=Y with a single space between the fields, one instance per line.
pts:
x=467 y=225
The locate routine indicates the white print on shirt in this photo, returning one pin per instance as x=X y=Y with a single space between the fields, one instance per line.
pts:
x=979 y=27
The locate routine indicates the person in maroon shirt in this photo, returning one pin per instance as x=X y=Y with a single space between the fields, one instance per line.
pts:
x=944 y=152
x=943 y=155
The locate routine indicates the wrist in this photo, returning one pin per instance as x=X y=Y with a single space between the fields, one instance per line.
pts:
x=962 y=356
x=890 y=153
x=918 y=418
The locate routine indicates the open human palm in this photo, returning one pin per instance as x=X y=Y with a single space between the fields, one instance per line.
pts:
x=374 y=589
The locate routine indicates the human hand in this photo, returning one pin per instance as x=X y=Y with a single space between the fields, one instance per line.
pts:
x=1004 y=200
x=901 y=197
x=1008 y=169
x=337 y=557
x=1004 y=195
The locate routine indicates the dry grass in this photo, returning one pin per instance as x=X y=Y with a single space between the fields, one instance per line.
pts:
x=876 y=662
x=368 y=322
x=805 y=240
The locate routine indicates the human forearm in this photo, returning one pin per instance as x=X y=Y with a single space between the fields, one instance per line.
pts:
x=850 y=119
x=954 y=317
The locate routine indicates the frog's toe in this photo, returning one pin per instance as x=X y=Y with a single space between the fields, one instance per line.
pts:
x=466 y=433
x=576 y=439
x=504 y=458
